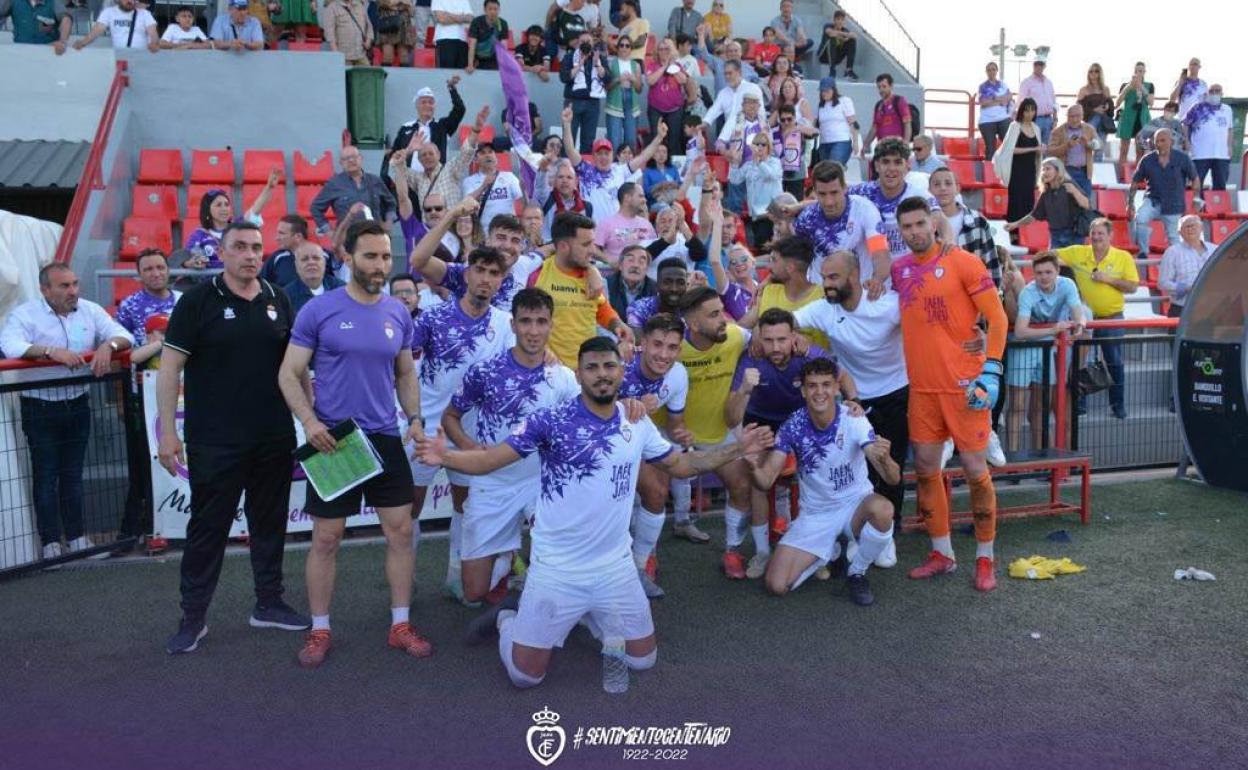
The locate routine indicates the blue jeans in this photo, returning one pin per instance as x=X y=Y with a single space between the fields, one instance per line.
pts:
x=1220 y=169
x=585 y=124
x=1059 y=239
x=622 y=130
x=1080 y=178
x=837 y=151
x=1112 y=353
x=1045 y=124
x=57 y=432
x=1144 y=216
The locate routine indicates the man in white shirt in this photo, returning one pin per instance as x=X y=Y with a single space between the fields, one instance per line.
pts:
x=184 y=34
x=59 y=327
x=1210 y=129
x=129 y=26
x=1040 y=89
x=728 y=101
x=450 y=33
x=497 y=191
x=1182 y=263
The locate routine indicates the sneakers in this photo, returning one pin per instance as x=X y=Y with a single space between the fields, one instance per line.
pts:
x=454 y=589
x=985 y=575
x=1119 y=411
x=860 y=590
x=937 y=564
x=689 y=531
x=734 y=565
x=53 y=551
x=851 y=75
x=404 y=637
x=946 y=453
x=887 y=557
x=758 y=566
x=84 y=543
x=823 y=573
x=315 y=648
x=995 y=454
x=278 y=614
x=649 y=586
x=484 y=627
x=186 y=639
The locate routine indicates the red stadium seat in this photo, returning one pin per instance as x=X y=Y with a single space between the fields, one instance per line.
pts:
x=1218 y=204
x=1157 y=240
x=964 y=171
x=423 y=58
x=138 y=233
x=719 y=166
x=314 y=170
x=960 y=147
x=154 y=202
x=268 y=233
x=160 y=167
x=486 y=135
x=310 y=45
x=304 y=195
x=990 y=175
x=1112 y=203
x=1221 y=229
x=212 y=167
x=504 y=161
x=258 y=163
x=124 y=287
x=274 y=210
x=429 y=37
x=1121 y=236
x=188 y=226
x=996 y=202
x=1034 y=236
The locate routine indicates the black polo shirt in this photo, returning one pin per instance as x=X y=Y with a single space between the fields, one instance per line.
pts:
x=234 y=348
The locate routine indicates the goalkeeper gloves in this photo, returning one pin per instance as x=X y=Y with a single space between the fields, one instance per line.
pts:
x=984 y=391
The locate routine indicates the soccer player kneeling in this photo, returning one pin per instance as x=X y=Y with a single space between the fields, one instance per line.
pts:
x=832 y=447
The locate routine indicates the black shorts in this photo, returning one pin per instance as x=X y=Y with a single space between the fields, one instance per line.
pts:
x=759 y=420
x=390 y=489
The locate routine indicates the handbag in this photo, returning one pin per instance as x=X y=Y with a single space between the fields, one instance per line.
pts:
x=1093 y=377
x=388 y=25
x=1084 y=219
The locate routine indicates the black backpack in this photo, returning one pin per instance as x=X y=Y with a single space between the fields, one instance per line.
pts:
x=916 y=121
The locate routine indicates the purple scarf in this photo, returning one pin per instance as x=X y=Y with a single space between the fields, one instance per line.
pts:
x=518 y=125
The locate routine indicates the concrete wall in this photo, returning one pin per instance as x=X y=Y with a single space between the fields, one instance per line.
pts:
x=45 y=96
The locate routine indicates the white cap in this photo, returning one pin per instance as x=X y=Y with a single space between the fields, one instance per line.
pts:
x=426 y=91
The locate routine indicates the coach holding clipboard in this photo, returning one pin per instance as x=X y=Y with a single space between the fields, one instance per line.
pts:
x=226 y=338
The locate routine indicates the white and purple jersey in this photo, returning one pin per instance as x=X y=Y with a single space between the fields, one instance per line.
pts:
x=887 y=207
x=134 y=311
x=515 y=280
x=671 y=389
x=205 y=243
x=851 y=231
x=589 y=476
x=640 y=311
x=600 y=187
x=452 y=341
x=831 y=466
x=498 y=394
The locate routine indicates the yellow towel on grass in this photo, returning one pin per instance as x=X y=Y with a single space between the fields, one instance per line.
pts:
x=1043 y=568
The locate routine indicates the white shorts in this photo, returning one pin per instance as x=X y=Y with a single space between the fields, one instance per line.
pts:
x=554 y=601
x=422 y=475
x=493 y=521
x=816 y=533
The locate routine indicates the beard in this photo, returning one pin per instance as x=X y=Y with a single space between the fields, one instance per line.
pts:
x=369 y=282
x=603 y=399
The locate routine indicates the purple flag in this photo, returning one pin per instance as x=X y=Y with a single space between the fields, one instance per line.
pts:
x=518 y=125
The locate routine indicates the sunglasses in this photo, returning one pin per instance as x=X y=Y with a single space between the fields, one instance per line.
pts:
x=786 y=120
x=623 y=46
x=434 y=209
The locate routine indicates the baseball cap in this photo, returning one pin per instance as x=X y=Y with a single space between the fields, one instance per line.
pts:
x=603 y=144
x=238 y=3
x=422 y=93
x=826 y=84
x=1041 y=62
x=156 y=323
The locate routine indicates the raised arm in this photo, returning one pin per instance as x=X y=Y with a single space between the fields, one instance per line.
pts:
x=431 y=450
x=422 y=259
x=266 y=192
x=569 y=142
x=398 y=174
x=643 y=157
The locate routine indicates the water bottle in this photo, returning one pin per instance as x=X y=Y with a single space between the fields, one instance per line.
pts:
x=614 y=666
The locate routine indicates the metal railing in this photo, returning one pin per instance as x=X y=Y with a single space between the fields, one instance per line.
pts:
x=105 y=275
x=878 y=22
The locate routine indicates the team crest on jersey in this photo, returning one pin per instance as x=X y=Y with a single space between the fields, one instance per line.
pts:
x=664 y=391
x=840 y=439
x=389 y=331
x=519 y=429
x=905 y=272
x=626 y=431
x=228 y=314
x=938 y=272
x=271 y=312
x=489 y=333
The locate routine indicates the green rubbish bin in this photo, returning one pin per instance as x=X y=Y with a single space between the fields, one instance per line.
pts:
x=1239 y=109
x=366 y=106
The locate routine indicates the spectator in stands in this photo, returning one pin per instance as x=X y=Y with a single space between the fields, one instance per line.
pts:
x=971 y=228
x=761 y=176
x=1167 y=172
x=600 y=180
x=625 y=227
x=183 y=34
x=238 y=30
x=630 y=283
x=891 y=115
x=839 y=44
x=1169 y=118
x=1017 y=160
x=718 y=64
x=565 y=195
x=279 y=268
x=623 y=104
x=312 y=279
x=485 y=34
x=39 y=22
x=781 y=70
x=1073 y=143
x=792 y=95
x=1052 y=300
x=567 y=25
x=1059 y=204
x=1097 y=102
x=671 y=88
x=660 y=169
x=532 y=55
x=349 y=186
x=684 y=20
x=468 y=234
x=394 y=30
x=1104 y=275
x=730 y=105
x=765 y=51
x=688 y=62
x=293 y=17
x=1135 y=99
x=781 y=219
x=406 y=289
x=585 y=80
x=788 y=141
x=496 y=190
x=128 y=25
x=427 y=128
x=531 y=220
x=1182 y=263
x=837 y=124
x=1039 y=89
x=450 y=32
x=924 y=159
x=1190 y=89
x=636 y=29
x=348 y=30
x=718 y=23
x=1210 y=129
x=155 y=298
x=994 y=99
x=57 y=419
x=790 y=30
x=215 y=214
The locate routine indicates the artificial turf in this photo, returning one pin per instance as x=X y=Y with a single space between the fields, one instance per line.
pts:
x=1131 y=668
